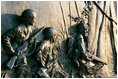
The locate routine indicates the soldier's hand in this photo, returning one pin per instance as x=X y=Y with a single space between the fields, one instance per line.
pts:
x=89 y=59
x=12 y=50
x=17 y=53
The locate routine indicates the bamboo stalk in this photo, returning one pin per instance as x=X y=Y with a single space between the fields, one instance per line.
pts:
x=104 y=12
x=63 y=18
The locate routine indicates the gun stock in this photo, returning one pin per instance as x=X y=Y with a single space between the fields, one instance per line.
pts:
x=97 y=59
x=11 y=63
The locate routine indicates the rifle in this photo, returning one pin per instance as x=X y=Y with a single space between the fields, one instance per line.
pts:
x=51 y=63
x=59 y=69
x=20 y=49
x=96 y=58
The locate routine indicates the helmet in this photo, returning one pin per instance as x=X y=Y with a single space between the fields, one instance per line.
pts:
x=28 y=16
x=48 y=32
x=80 y=28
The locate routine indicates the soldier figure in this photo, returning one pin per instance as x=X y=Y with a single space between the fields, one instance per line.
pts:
x=15 y=37
x=78 y=53
x=44 y=53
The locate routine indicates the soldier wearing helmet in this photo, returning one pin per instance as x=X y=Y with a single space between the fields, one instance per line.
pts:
x=44 y=53
x=16 y=36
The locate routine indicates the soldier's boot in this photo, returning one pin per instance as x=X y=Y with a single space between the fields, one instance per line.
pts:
x=42 y=73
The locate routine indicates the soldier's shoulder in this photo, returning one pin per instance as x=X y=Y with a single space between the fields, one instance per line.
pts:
x=20 y=26
x=30 y=28
x=17 y=28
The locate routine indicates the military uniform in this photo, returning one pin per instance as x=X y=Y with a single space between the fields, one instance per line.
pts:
x=77 y=52
x=44 y=55
x=14 y=38
x=86 y=63
x=77 y=47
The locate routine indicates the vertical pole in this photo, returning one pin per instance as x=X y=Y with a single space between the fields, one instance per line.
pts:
x=63 y=19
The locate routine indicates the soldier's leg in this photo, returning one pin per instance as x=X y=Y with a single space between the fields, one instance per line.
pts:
x=10 y=73
x=23 y=71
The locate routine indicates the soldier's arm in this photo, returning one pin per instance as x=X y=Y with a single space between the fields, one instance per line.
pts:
x=6 y=40
x=70 y=47
x=82 y=48
x=39 y=50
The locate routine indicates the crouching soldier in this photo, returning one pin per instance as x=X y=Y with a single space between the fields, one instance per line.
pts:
x=78 y=54
x=44 y=53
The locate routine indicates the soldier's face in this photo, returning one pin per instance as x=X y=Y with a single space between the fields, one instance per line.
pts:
x=33 y=19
